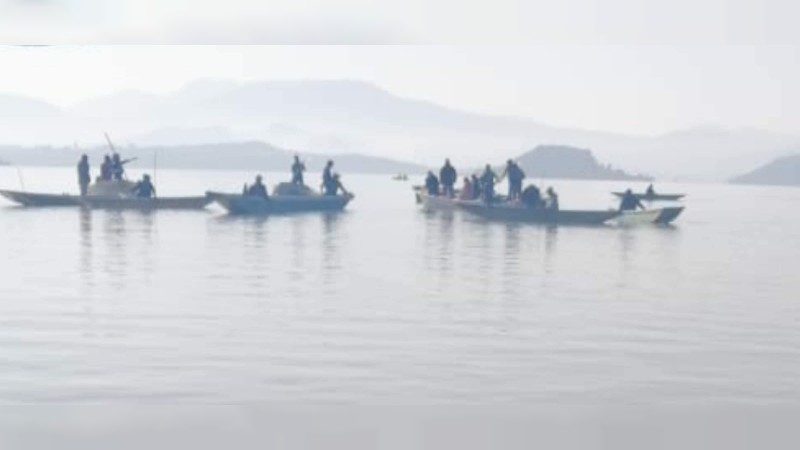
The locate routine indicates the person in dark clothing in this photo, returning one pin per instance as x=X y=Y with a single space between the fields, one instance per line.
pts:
x=335 y=185
x=117 y=168
x=144 y=188
x=297 y=171
x=552 y=199
x=488 y=178
x=258 y=189
x=531 y=197
x=327 y=175
x=650 y=191
x=476 y=187
x=105 y=168
x=448 y=177
x=515 y=177
x=84 y=175
x=630 y=202
x=432 y=184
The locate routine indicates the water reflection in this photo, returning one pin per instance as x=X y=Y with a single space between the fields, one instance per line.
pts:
x=331 y=245
x=115 y=261
x=86 y=268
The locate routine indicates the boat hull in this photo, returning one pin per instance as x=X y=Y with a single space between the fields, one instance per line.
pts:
x=654 y=197
x=40 y=200
x=660 y=216
x=435 y=202
x=145 y=203
x=29 y=199
x=514 y=213
x=279 y=204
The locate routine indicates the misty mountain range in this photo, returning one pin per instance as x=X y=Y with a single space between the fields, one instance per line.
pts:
x=353 y=117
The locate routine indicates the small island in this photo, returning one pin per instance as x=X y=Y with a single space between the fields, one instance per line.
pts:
x=561 y=161
x=784 y=171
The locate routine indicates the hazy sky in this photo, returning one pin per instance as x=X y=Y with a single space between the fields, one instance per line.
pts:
x=634 y=89
x=634 y=66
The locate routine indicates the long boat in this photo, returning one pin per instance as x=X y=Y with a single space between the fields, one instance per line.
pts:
x=652 y=197
x=660 y=216
x=97 y=202
x=520 y=213
x=279 y=204
x=105 y=195
x=34 y=199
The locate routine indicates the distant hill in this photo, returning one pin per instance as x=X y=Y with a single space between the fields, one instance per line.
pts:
x=355 y=117
x=558 y=161
x=784 y=171
x=227 y=156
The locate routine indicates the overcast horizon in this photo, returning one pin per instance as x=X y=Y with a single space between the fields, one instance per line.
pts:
x=634 y=90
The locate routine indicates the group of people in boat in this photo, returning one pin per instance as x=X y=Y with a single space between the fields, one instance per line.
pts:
x=331 y=181
x=112 y=169
x=475 y=187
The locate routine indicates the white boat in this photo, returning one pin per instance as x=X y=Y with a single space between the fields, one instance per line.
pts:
x=660 y=216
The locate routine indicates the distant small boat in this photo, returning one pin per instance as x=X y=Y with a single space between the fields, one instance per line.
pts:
x=661 y=216
x=520 y=213
x=284 y=200
x=653 y=197
x=400 y=177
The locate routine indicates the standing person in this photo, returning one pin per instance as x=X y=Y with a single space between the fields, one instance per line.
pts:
x=327 y=175
x=106 y=168
x=487 y=183
x=448 y=177
x=297 y=171
x=515 y=177
x=84 y=175
x=650 y=191
x=117 y=170
x=476 y=187
x=552 y=199
x=630 y=202
x=432 y=184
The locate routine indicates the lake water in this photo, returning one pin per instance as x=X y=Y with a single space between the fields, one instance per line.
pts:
x=385 y=305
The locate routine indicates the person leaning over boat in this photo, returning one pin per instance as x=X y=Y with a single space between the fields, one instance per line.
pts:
x=552 y=199
x=258 y=189
x=297 y=171
x=335 y=185
x=84 y=175
x=432 y=184
x=630 y=202
x=487 y=183
x=144 y=188
x=448 y=177
x=515 y=176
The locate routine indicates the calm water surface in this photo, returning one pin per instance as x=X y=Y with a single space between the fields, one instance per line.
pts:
x=388 y=305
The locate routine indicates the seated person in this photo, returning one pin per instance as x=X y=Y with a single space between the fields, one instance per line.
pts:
x=144 y=188
x=258 y=189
